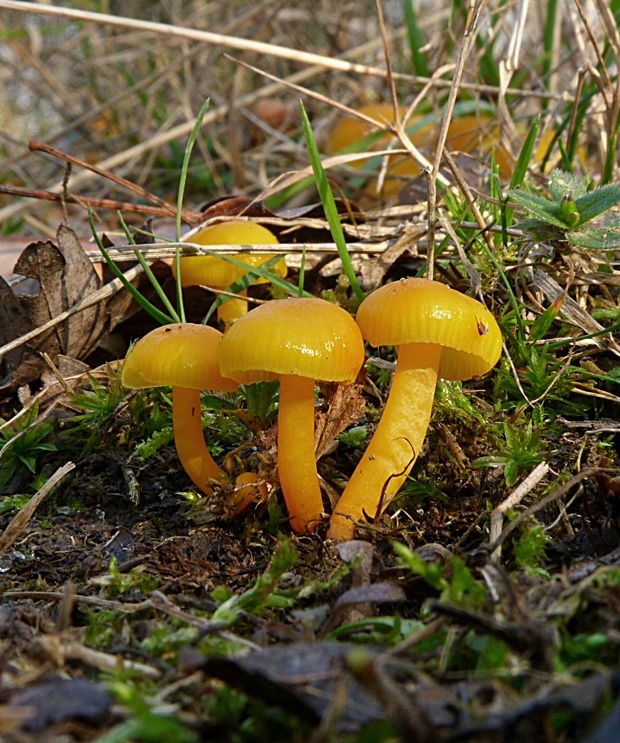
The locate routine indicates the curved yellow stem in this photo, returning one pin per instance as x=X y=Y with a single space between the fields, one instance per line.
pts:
x=190 y=441
x=397 y=441
x=296 y=458
x=232 y=310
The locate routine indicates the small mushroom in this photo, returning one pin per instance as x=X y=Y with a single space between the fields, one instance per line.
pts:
x=208 y=270
x=438 y=332
x=183 y=356
x=296 y=341
x=470 y=134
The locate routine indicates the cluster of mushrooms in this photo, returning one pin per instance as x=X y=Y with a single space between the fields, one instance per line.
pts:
x=436 y=330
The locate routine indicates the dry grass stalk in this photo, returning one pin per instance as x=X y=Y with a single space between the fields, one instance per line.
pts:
x=23 y=516
x=517 y=495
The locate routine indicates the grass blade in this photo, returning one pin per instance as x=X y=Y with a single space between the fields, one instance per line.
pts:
x=302 y=271
x=525 y=156
x=416 y=40
x=329 y=205
x=149 y=274
x=182 y=181
x=142 y=301
x=238 y=286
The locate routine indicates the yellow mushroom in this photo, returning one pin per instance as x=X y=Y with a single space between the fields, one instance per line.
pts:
x=208 y=270
x=297 y=341
x=183 y=356
x=438 y=332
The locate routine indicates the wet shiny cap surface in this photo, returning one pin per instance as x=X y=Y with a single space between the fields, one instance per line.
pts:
x=210 y=270
x=423 y=311
x=178 y=355
x=308 y=337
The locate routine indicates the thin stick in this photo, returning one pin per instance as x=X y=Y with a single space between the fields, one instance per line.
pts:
x=517 y=495
x=21 y=519
x=472 y=19
x=234 y=42
x=35 y=193
x=42 y=147
x=559 y=493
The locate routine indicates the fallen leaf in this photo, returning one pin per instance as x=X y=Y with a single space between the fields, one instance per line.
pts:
x=345 y=405
x=63 y=276
x=301 y=678
x=63 y=699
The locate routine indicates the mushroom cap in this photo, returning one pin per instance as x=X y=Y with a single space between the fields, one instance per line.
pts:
x=176 y=355
x=211 y=270
x=423 y=311
x=308 y=337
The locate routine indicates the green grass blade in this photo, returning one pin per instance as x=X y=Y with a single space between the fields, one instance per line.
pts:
x=149 y=274
x=548 y=35
x=511 y=294
x=329 y=205
x=416 y=40
x=610 y=160
x=182 y=181
x=525 y=156
x=142 y=301
x=254 y=270
x=302 y=271
x=540 y=326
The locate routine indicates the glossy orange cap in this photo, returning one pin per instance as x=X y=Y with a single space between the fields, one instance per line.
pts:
x=210 y=270
x=178 y=355
x=308 y=337
x=423 y=311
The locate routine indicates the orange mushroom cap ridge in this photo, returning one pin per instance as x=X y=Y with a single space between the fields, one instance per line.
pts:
x=309 y=337
x=177 y=355
x=424 y=311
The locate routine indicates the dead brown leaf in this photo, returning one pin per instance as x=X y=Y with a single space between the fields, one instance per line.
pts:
x=65 y=277
x=345 y=405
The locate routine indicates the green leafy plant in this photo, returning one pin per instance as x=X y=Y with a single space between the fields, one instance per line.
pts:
x=100 y=402
x=354 y=437
x=263 y=594
x=569 y=215
x=529 y=550
x=23 y=443
x=145 y=726
x=521 y=453
x=459 y=588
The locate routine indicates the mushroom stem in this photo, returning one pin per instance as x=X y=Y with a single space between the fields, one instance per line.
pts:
x=397 y=441
x=190 y=441
x=232 y=309
x=296 y=458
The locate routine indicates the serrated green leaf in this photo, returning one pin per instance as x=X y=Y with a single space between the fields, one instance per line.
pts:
x=563 y=184
x=540 y=207
x=595 y=238
x=597 y=202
